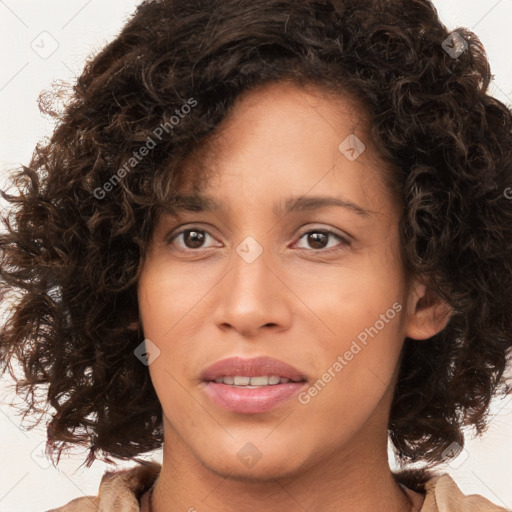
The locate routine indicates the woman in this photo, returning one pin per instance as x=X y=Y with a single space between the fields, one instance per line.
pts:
x=269 y=236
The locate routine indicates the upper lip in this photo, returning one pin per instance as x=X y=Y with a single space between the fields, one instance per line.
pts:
x=255 y=367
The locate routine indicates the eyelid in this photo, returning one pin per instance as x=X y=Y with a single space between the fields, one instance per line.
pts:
x=345 y=239
x=192 y=227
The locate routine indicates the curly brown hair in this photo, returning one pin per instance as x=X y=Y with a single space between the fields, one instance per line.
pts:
x=77 y=231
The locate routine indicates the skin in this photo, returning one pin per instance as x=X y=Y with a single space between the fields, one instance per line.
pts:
x=301 y=302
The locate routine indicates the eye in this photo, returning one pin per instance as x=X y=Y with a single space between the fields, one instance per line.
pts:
x=192 y=238
x=319 y=239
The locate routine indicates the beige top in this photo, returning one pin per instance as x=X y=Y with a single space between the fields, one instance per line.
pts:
x=126 y=491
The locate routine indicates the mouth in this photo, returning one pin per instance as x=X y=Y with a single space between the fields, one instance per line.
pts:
x=251 y=386
x=261 y=381
x=257 y=371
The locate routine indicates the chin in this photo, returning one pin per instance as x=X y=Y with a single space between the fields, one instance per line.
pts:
x=258 y=462
x=261 y=472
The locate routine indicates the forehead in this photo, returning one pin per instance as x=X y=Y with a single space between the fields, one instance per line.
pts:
x=287 y=144
x=204 y=203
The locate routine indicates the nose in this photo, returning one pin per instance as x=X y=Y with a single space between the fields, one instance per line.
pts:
x=253 y=296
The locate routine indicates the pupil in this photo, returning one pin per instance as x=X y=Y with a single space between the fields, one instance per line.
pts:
x=316 y=239
x=193 y=239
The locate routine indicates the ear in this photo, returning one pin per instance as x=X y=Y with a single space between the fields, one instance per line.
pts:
x=133 y=326
x=427 y=313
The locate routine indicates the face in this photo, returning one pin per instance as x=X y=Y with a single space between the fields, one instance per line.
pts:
x=291 y=253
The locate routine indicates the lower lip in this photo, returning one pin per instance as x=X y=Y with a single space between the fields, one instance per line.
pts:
x=252 y=400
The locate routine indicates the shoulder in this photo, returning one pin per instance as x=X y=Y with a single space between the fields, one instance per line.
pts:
x=84 y=504
x=443 y=495
x=119 y=491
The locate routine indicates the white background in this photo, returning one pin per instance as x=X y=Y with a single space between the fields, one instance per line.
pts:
x=78 y=27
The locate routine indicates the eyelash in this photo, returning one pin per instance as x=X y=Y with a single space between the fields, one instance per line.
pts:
x=344 y=242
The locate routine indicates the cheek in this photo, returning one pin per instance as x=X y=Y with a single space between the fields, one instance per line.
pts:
x=362 y=312
x=160 y=310
x=169 y=299
x=171 y=310
x=348 y=299
x=358 y=371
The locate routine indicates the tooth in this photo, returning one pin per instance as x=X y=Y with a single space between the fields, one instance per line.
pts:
x=239 y=380
x=259 y=381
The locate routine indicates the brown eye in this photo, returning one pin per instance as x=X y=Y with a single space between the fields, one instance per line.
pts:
x=317 y=240
x=322 y=239
x=192 y=238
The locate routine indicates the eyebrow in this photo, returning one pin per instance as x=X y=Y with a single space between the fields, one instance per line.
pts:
x=200 y=203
